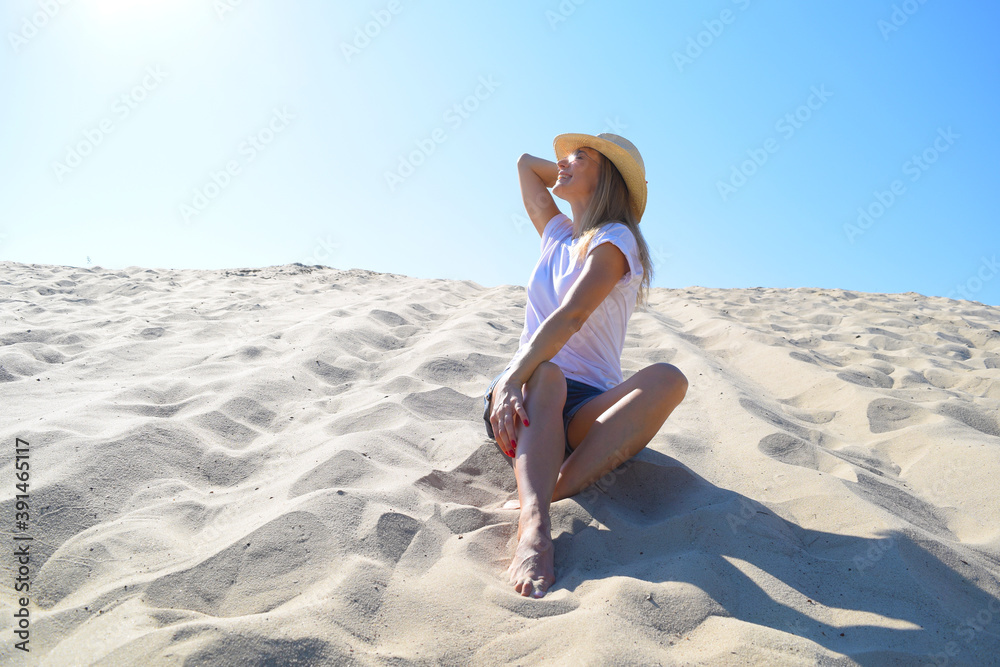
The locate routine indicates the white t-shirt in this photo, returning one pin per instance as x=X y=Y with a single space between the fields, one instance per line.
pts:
x=593 y=354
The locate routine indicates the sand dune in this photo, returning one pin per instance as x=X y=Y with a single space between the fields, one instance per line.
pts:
x=288 y=465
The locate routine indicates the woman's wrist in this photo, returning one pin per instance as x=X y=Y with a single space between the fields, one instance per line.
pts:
x=512 y=377
x=546 y=170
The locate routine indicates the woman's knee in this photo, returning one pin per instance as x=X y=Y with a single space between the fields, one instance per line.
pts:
x=672 y=380
x=548 y=378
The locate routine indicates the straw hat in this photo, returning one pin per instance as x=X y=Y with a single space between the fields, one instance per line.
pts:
x=621 y=152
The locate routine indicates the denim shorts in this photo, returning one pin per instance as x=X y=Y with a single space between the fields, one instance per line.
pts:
x=577 y=393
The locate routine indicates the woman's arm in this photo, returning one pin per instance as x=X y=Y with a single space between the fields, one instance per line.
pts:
x=537 y=176
x=605 y=266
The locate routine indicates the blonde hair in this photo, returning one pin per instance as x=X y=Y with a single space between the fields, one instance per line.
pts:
x=609 y=204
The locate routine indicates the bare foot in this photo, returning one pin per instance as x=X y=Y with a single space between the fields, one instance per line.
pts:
x=532 y=571
x=512 y=505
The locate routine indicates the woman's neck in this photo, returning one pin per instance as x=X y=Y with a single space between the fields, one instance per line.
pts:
x=579 y=208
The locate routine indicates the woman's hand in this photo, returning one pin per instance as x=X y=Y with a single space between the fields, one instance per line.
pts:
x=508 y=406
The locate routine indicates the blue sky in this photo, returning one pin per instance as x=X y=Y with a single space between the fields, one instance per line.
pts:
x=227 y=133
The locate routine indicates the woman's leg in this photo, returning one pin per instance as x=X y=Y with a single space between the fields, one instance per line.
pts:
x=614 y=426
x=540 y=452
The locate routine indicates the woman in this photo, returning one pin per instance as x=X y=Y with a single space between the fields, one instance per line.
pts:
x=561 y=409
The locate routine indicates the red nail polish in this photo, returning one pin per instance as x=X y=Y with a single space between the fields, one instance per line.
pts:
x=526 y=423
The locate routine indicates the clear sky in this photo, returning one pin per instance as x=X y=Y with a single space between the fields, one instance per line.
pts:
x=787 y=144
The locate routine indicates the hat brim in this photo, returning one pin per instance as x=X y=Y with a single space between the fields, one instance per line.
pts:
x=633 y=172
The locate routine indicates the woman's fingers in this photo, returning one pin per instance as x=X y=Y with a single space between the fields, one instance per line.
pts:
x=511 y=437
x=521 y=413
x=500 y=432
x=511 y=418
x=499 y=436
x=509 y=409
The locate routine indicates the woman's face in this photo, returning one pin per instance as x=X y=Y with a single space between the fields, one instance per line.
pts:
x=578 y=172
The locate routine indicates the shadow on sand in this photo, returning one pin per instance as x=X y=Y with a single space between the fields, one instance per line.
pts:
x=924 y=593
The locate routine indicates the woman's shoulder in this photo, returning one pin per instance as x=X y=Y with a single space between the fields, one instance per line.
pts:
x=621 y=235
x=615 y=229
x=557 y=228
x=561 y=219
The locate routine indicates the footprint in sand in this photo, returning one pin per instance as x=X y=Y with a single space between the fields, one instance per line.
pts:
x=816 y=358
x=383 y=416
x=226 y=431
x=388 y=318
x=889 y=414
x=866 y=376
x=877 y=480
x=793 y=451
x=16 y=365
x=156 y=401
x=255 y=574
x=332 y=375
x=555 y=603
x=230 y=423
x=775 y=419
x=442 y=403
x=249 y=411
x=257 y=649
x=484 y=477
x=461 y=520
x=971 y=417
x=345 y=469
x=444 y=371
x=393 y=534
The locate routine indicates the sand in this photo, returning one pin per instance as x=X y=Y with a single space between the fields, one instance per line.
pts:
x=288 y=465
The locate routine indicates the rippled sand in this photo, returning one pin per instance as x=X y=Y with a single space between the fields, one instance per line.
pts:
x=289 y=464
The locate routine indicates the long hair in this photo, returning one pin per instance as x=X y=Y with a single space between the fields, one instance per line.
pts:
x=610 y=204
